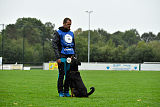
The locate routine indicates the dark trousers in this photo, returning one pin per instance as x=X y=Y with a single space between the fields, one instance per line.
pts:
x=63 y=84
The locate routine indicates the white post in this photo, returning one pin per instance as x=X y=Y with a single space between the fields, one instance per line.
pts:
x=89 y=12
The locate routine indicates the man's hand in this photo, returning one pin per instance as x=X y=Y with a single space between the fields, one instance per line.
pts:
x=58 y=60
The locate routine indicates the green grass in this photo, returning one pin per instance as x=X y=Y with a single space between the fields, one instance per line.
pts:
x=112 y=89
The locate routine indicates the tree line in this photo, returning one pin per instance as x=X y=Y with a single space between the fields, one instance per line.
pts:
x=29 y=41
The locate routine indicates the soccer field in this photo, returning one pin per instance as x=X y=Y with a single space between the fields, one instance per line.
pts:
x=112 y=89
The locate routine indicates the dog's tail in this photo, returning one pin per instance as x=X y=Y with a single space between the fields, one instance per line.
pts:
x=92 y=90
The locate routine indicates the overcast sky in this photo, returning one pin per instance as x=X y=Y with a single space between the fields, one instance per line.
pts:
x=111 y=15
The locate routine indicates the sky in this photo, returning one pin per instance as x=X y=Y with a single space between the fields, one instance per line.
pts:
x=110 y=15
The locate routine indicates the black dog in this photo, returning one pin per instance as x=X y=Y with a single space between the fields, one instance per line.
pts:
x=77 y=86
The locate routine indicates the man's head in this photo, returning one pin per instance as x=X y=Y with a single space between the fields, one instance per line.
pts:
x=67 y=23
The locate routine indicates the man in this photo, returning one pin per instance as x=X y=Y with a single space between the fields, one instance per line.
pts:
x=64 y=47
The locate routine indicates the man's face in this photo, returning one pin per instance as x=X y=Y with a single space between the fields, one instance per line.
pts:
x=67 y=25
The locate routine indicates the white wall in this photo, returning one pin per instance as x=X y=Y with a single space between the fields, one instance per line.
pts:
x=150 y=67
x=45 y=66
x=12 y=66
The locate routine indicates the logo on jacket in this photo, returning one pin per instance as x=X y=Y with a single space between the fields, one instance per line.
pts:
x=68 y=38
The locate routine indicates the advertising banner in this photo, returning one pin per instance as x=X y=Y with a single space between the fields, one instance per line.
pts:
x=122 y=67
x=53 y=66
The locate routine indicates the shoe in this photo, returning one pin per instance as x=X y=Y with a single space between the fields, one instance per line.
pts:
x=66 y=94
x=61 y=94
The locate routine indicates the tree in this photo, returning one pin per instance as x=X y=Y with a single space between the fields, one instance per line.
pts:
x=155 y=46
x=48 y=31
x=144 y=52
x=32 y=29
x=130 y=55
x=104 y=34
x=131 y=37
x=81 y=41
x=158 y=36
x=147 y=37
x=11 y=32
x=78 y=31
x=119 y=54
x=117 y=39
x=35 y=34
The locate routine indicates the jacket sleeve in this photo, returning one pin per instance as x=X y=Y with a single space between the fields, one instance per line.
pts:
x=56 y=44
x=75 y=55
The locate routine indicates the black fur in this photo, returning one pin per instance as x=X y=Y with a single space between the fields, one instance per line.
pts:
x=77 y=86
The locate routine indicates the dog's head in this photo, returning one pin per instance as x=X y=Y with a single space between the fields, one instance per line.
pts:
x=75 y=61
x=74 y=64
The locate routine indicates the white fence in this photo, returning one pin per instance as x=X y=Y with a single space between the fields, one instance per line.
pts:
x=115 y=66
x=94 y=66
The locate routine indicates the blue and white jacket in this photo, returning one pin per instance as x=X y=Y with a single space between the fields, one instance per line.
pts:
x=63 y=43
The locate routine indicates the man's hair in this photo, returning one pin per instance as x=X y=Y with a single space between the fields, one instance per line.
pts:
x=66 y=19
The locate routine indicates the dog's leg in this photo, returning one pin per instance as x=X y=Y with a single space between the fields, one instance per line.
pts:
x=72 y=92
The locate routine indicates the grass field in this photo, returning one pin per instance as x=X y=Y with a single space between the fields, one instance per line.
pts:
x=112 y=89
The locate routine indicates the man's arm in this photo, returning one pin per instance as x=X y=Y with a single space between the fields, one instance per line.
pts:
x=56 y=44
x=74 y=48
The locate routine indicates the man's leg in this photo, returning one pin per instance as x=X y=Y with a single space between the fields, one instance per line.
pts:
x=66 y=82
x=60 y=77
